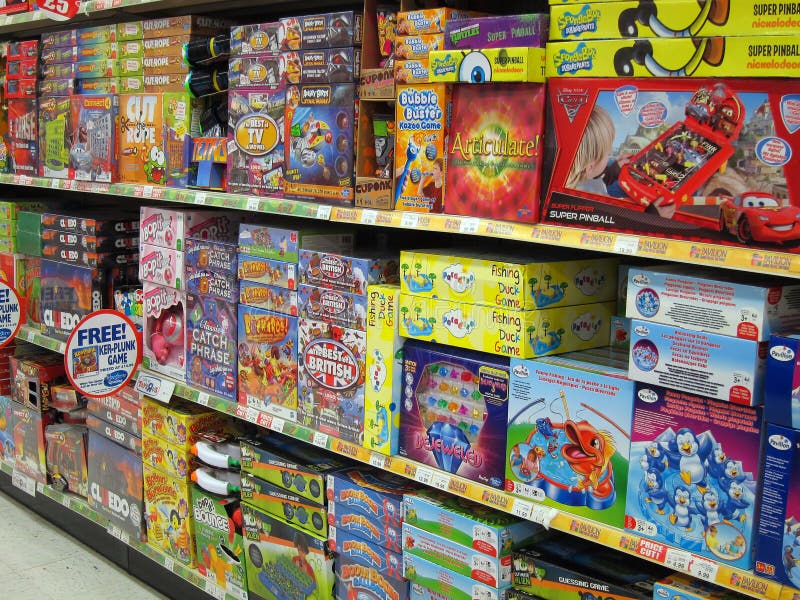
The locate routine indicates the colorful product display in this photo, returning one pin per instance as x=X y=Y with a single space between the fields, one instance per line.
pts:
x=211 y=345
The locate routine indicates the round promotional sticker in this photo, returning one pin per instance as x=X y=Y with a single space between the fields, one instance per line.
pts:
x=59 y=10
x=102 y=353
x=10 y=313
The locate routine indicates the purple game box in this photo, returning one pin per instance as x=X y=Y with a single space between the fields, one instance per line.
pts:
x=512 y=31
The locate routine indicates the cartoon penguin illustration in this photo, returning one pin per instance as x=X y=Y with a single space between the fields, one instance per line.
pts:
x=654 y=490
x=732 y=472
x=682 y=509
x=655 y=458
x=709 y=509
x=737 y=504
x=689 y=453
x=715 y=465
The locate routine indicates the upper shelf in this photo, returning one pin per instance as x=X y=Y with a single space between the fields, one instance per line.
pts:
x=732 y=257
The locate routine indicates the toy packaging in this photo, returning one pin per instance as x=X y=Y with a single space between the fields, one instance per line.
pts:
x=161 y=64
x=23 y=145
x=92 y=155
x=211 y=345
x=292 y=507
x=267 y=355
x=183 y=25
x=351 y=272
x=412 y=71
x=511 y=31
x=328 y=30
x=179 y=423
x=141 y=139
x=521 y=334
x=421 y=115
x=95 y=260
x=181 y=123
x=328 y=65
x=429 y=20
x=115 y=484
x=283 y=561
x=256 y=132
x=100 y=223
x=384 y=533
x=29 y=441
x=256 y=38
x=21 y=49
x=692 y=476
x=113 y=432
x=680 y=586
x=67 y=294
x=418 y=46
x=725 y=303
x=708 y=364
x=568 y=435
x=668 y=163
x=66 y=458
x=57 y=87
x=162 y=266
x=118 y=412
x=777 y=554
x=55 y=127
x=507 y=279
x=91 y=243
x=319 y=142
x=454 y=411
x=103 y=34
x=265 y=69
x=383 y=389
x=377 y=495
x=449 y=584
x=359 y=559
x=14 y=6
x=269 y=297
x=332 y=377
x=211 y=269
x=108 y=51
x=34 y=377
x=357 y=580
x=7 y=423
x=170 y=526
x=164 y=331
x=281 y=242
x=93 y=69
x=167 y=458
x=168 y=82
x=782 y=381
x=109 y=85
x=510 y=65
x=209 y=163
x=170 y=228
x=677 y=18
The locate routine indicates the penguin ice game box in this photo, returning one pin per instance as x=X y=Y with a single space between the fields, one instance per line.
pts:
x=693 y=470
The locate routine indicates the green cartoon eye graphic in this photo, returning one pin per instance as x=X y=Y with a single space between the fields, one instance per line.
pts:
x=475 y=68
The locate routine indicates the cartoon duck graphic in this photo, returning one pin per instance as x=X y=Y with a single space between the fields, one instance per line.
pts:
x=682 y=509
x=689 y=453
x=588 y=453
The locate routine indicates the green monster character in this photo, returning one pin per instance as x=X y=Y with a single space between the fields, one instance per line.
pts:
x=156 y=166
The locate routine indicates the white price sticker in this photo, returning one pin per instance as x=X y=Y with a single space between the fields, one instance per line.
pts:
x=440 y=481
x=214 y=590
x=377 y=460
x=324 y=212
x=39 y=487
x=31 y=336
x=200 y=198
x=55 y=184
x=320 y=439
x=543 y=515
x=469 y=225
x=251 y=415
x=521 y=508
x=645 y=528
x=409 y=220
x=368 y=217
x=23 y=482
x=203 y=398
x=423 y=475
x=626 y=244
x=147 y=191
x=116 y=532
x=66 y=501
x=277 y=424
x=169 y=564
x=677 y=559
x=254 y=203
x=25 y=180
x=702 y=568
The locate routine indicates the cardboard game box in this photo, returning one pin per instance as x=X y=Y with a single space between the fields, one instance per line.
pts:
x=211 y=345
x=55 y=131
x=292 y=507
x=269 y=297
x=669 y=159
x=181 y=121
x=67 y=294
x=164 y=330
x=141 y=139
x=170 y=524
x=23 y=142
x=170 y=228
x=93 y=143
x=692 y=476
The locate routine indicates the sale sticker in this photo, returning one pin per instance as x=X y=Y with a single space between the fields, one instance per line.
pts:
x=10 y=313
x=102 y=353
x=59 y=10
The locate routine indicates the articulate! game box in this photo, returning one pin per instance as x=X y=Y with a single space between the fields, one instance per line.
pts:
x=691 y=158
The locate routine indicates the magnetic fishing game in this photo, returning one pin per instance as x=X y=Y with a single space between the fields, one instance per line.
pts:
x=569 y=422
x=681 y=157
x=694 y=466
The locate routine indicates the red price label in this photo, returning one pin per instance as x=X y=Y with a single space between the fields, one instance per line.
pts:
x=59 y=10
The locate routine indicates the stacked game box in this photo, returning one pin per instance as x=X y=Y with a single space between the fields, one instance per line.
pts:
x=268 y=322
x=365 y=511
x=256 y=102
x=332 y=336
x=457 y=549
x=506 y=303
x=20 y=95
x=12 y=269
x=66 y=441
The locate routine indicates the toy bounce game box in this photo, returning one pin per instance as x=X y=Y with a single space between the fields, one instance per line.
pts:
x=689 y=158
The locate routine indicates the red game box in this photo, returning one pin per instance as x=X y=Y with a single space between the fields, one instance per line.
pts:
x=22 y=133
x=697 y=159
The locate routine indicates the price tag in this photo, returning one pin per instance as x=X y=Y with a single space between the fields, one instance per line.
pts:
x=277 y=424
x=645 y=528
x=543 y=515
x=39 y=487
x=320 y=439
x=200 y=198
x=626 y=244
x=66 y=501
x=251 y=415
x=377 y=460
x=440 y=481
x=214 y=590
x=677 y=559
x=23 y=482
x=423 y=475
x=324 y=212
x=25 y=180
x=469 y=225
x=31 y=336
x=155 y=387
x=147 y=191
x=702 y=568
x=368 y=217
x=522 y=508
x=241 y=411
x=116 y=532
x=409 y=220
x=169 y=564
x=203 y=398
x=55 y=184
x=254 y=203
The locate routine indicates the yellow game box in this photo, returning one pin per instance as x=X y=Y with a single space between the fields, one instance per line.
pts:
x=515 y=333
x=170 y=527
x=167 y=458
x=384 y=364
x=418 y=46
x=487 y=66
x=514 y=282
x=428 y=20
x=672 y=19
x=411 y=71
x=753 y=56
x=178 y=423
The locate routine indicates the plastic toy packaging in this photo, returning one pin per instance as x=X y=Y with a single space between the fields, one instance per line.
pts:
x=383 y=128
x=387 y=25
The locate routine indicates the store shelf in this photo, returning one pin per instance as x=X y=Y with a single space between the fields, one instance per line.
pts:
x=551 y=518
x=731 y=257
x=32 y=334
x=80 y=506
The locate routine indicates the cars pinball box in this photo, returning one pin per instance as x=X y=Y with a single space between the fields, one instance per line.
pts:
x=694 y=158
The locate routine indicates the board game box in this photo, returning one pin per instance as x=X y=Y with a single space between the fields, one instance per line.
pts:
x=92 y=154
x=211 y=345
x=23 y=142
x=164 y=330
x=55 y=131
x=141 y=139
x=67 y=294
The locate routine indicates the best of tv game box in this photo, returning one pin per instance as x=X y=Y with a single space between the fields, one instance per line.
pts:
x=705 y=299
x=255 y=38
x=568 y=446
x=506 y=280
x=693 y=472
x=262 y=70
x=717 y=366
x=665 y=161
